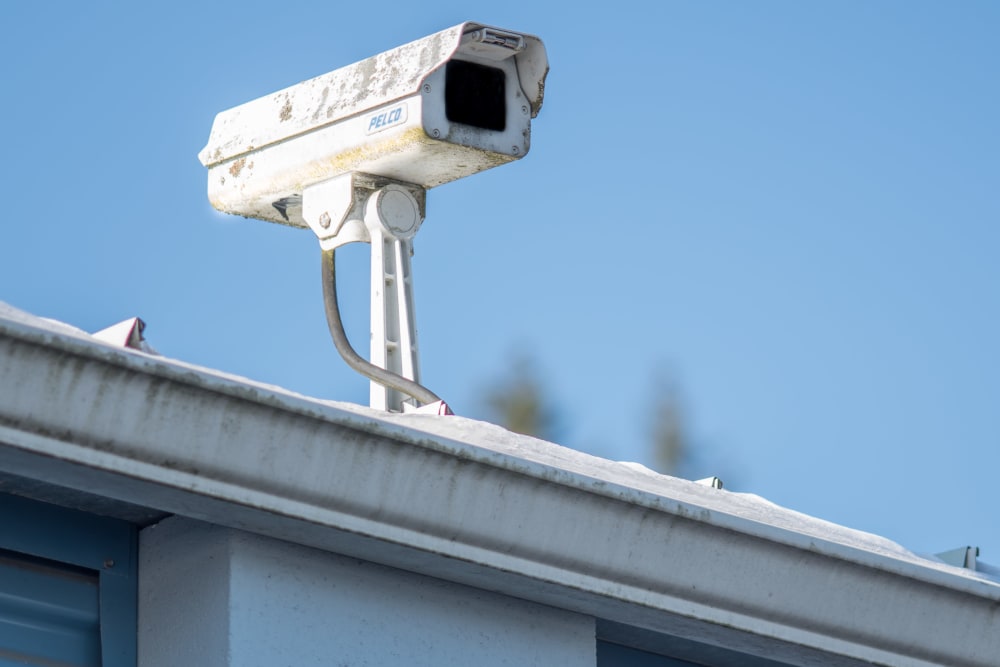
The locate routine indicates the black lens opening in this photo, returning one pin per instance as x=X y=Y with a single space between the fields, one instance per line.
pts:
x=475 y=95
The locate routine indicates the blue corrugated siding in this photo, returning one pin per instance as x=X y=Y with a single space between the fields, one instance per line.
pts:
x=49 y=613
x=67 y=587
x=615 y=655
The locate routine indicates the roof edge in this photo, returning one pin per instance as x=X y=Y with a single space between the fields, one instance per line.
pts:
x=468 y=502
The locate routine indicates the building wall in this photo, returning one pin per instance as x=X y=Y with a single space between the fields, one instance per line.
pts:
x=184 y=582
x=216 y=596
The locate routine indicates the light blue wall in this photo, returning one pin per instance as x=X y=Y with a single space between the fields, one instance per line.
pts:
x=211 y=595
x=183 y=594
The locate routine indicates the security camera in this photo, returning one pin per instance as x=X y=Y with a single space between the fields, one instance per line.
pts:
x=432 y=111
x=350 y=154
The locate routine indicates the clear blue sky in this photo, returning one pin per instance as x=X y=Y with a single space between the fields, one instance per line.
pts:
x=792 y=209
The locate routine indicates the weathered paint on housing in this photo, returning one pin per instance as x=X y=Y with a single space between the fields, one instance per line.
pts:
x=264 y=153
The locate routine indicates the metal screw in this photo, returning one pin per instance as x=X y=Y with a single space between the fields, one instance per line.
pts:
x=436 y=133
x=324 y=220
x=516 y=150
x=108 y=564
x=427 y=87
x=524 y=108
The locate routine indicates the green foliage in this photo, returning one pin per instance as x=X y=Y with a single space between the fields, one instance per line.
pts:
x=520 y=403
x=671 y=453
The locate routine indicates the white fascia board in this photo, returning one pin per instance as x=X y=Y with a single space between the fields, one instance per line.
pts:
x=473 y=503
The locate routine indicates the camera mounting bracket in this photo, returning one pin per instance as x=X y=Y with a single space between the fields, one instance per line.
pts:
x=357 y=207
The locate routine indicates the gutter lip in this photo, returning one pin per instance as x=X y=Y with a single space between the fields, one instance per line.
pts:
x=902 y=563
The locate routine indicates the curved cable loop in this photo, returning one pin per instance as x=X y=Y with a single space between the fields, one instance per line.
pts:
x=380 y=375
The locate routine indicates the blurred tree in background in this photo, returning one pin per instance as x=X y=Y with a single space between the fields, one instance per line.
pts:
x=671 y=452
x=520 y=402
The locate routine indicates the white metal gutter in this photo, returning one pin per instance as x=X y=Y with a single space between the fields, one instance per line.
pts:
x=472 y=503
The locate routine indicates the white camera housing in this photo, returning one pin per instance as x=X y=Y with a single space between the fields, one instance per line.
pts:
x=443 y=107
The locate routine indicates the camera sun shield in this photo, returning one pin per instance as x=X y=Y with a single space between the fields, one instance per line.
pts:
x=429 y=112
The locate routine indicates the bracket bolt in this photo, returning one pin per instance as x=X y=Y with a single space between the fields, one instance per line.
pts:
x=436 y=133
x=324 y=220
x=427 y=87
x=516 y=150
x=524 y=108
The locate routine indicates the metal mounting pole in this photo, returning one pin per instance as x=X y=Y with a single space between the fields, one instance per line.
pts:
x=392 y=217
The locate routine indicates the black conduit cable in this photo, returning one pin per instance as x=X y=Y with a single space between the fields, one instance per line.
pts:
x=354 y=360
